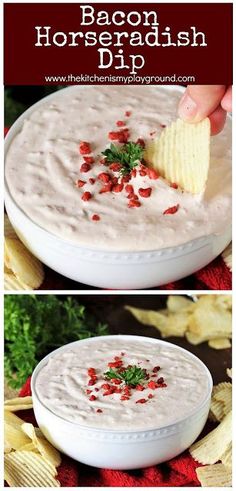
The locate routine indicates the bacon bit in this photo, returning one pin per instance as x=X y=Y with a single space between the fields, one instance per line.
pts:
x=86 y=196
x=91 y=371
x=139 y=387
x=91 y=180
x=122 y=353
x=142 y=173
x=106 y=189
x=145 y=192
x=85 y=167
x=174 y=185
x=128 y=113
x=126 y=178
x=89 y=160
x=104 y=177
x=156 y=369
x=129 y=188
x=114 y=180
x=152 y=174
x=121 y=136
x=127 y=390
x=141 y=142
x=96 y=389
x=116 y=381
x=120 y=123
x=133 y=173
x=141 y=401
x=92 y=381
x=132 y=196
x=152 y=385
x=96 y=218
x=115 y=167
x=92 y=398
x=118 y=188
x=115 y=364
x=107 y=393
x=88 y=391
x=124 y=398
x=150 y=396
x=171 y=211
x=99 y=411
x=106 y=386
x=79 y=183
x=84 y=148
x=102 y=161
x=133 y=203
x=117 y=358
x=160 y=380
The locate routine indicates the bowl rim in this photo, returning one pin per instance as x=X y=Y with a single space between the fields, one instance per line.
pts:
x=16 y=127
x=126 y=337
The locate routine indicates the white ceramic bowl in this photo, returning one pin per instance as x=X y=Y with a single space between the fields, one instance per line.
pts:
x=103 y=268
x=116 y=449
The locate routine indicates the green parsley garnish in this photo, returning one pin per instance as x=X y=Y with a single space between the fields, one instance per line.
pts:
x=131 y=376
x=128 y=155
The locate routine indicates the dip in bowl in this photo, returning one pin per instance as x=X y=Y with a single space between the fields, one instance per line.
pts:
x=121 y=402
x=61 y=206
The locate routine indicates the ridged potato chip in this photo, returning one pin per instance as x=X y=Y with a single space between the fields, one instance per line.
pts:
x=182 y=154
x=42 y=445
x=217 y=475
x=14 y=435
x=23 y=264
x=18 y=403
x=11 y=282
x=229 y=372
x=28 y=469
x=226 y=458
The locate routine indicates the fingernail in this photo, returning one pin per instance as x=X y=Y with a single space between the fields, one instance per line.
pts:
x=187 y=108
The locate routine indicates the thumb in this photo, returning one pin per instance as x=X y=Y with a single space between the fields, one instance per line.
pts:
x=199 y=101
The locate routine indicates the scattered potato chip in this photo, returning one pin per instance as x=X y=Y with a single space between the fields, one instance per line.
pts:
x=11 y=282
x=219 y=343
x=216 y=411
x=43 y=446
x=18 y=403
x=229 y=372
x=226 y=458
x=182 y=154
x=210 y=449
x=14 y=435
x=217 y=475
x=209 y=321
x=179 y=302
x=7 y=446
x=28 y=469
x=11 y=418
x=24 y=265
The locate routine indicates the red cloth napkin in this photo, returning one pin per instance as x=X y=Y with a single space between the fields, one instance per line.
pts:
x=177 y=472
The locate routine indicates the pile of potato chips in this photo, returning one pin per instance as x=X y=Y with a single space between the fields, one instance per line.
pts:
x=22 y=271
x=29 y=459
x=182 y=154
x=209 y=318
x=215 y=449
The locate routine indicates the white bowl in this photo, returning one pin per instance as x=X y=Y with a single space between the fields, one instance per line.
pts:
x=116 y=449
x=103 y=268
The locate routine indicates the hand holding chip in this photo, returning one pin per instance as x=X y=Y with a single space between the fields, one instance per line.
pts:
x=201 y=101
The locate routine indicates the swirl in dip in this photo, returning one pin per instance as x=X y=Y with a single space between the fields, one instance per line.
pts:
x=46 y=177
x=75 y=384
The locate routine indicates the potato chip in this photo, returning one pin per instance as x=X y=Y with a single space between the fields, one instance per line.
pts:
x=217 y=475
x=182 y=154
x=24 y=265
x=229 y=372
x=219 y=343
x=14 y=435
x=226 y=458
x=193 y=338
x=216 y=411
x=225 y=397
x=7 y=446
x=28 y=469
x=11 y=418
x=209 y=321
x=18 y=403
x=11 y=282
x=209 y=449
x=8 y=228
x=178 y=302
x=43 y=446
x=227 y=256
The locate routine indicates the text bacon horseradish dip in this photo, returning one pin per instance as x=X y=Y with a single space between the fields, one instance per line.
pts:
x=76 y=169
x=122 y=384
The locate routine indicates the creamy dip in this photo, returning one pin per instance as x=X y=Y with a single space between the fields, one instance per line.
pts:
x=64 y=384
x=43 y=163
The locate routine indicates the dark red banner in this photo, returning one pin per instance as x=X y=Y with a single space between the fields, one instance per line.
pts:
x=51 y=44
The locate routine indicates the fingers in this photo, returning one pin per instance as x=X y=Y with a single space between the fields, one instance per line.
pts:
x=217 y=120
x=226 y=102
x=199 y=101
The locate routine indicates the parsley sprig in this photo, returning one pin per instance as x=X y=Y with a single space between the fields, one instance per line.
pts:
x=128 y=155
x=132 y=375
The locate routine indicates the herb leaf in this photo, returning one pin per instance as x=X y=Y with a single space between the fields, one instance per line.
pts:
x=132 y=375
x=128 y=155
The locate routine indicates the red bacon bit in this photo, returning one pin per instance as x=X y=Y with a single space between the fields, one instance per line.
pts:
x=84 y=148
x=120 y=123
x=152 y=385
x=126 y=178
x=91 y=371
x=133 y=173
x=139 y=387
x=152 y=174
x=91 y=180
x=92 y=398
x=141 y=401
x=104 y=177
x=86 y=196
x=133 y=203
x=129 y=188
x=121 y=136
x=115 y=364
x=171 y=211
x=141 y=142
x=96 y=218
x=79 y=183
x=106 y=189
x=124 y=398
x=156 y=369
x=99 y=411
x=106 y=386
x=160 y=380
x=174 y=185
x=115 y=167
x=88 y=391
x=102 y=161
x=142 y=173
x=85 y=167
x=145 y=192
x=118 y=188
x=114 y=180
x=150 y=396
x=92 y=381
x=89 y=160
x=127 y=114
x=116 y=381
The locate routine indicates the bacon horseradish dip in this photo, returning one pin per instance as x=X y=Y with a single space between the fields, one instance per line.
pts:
x=57 y=174
x=120 y=384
